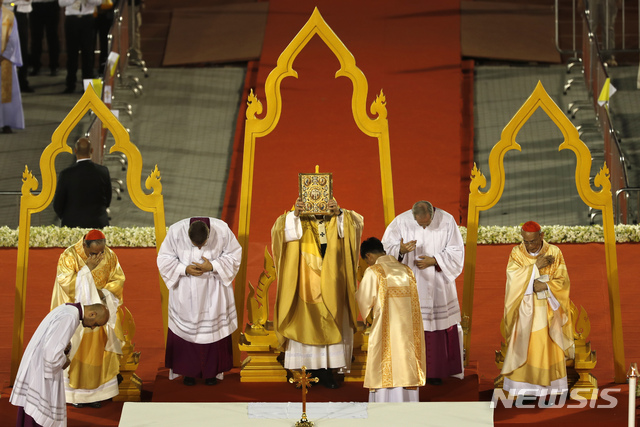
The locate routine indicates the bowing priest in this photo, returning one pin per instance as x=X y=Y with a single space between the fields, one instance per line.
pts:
x=389 y=293
x=537 y=317
x=88 y=273
x=316 y=260
x=428 y=241
x=39 y=387
x=198 y=261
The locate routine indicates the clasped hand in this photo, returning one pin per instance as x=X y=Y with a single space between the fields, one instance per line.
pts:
x=424 y=261
x=198 y=269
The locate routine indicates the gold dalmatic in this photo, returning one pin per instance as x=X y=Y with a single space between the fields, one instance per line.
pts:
x=396 y=356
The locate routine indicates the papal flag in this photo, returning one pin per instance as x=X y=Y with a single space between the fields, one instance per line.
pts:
x=607 y=91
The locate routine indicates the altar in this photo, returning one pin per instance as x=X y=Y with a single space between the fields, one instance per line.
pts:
x=137 y=414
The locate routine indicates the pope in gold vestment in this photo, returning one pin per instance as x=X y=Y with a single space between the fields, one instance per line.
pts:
x=537 y=324
x=315 y=303
x=95 y=354
x=396 y=355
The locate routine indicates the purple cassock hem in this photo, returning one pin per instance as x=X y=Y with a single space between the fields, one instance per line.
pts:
x=25 y=420
x=198 y=360
x=443 y=353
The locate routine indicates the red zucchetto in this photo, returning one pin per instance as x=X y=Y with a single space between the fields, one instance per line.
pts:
x=531 y=227
x=94 y=235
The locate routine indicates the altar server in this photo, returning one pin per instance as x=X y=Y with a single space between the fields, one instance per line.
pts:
x=198 y=261
x=395 y=359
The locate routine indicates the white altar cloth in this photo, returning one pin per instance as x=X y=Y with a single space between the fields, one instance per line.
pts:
x=434 y=414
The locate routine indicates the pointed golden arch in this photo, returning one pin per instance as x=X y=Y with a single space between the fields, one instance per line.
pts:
x=255 y=127
x=31 y=203
x=601 y=200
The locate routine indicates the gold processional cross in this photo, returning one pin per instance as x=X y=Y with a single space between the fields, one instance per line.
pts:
x=304 y=380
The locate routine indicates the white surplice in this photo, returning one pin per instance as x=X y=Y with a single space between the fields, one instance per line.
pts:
x=202 y=309
x=39 y=385
x=437 y=289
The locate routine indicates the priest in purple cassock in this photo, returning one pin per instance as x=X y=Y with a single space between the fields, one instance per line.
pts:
x=11 y=115
x=198 y=261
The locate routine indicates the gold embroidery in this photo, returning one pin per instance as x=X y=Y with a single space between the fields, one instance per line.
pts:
x=385 y=362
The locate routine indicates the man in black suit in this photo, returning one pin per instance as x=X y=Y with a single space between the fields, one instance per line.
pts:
x=83 y=193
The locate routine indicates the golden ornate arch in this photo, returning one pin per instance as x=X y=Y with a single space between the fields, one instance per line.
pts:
x=601 y=200
x=31 y=203
x=255 y=128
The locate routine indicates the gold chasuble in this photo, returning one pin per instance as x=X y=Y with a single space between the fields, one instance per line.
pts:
x=396 y=356
x=6 y=67
x=96 y=360
x=537 y=325
x=313 y=290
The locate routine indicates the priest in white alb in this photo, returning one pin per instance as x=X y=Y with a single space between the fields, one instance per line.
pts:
x=429 y=242
x=38 y=390
x=396 y=364
x=198 y=261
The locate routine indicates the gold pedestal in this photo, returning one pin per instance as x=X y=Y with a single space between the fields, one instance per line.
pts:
x=261 y=364
x=131 y=385
x=360 y=348
x=586 y=385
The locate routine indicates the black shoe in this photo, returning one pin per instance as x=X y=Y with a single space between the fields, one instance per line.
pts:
x=326 y=378
x=89 y=405
x=6 y=129
x=211 y=381
x=35 y=72
x=434 y=381
x=53 y=72
x=69 y=90
x=189 y=381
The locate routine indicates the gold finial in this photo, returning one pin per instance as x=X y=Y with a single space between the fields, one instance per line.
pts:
x=633 y=371
x=317 y=168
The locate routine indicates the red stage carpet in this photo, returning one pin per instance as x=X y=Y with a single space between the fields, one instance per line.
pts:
x=411 y=50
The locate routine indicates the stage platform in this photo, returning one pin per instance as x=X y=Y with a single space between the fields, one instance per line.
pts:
x=230 y=389
x=323 y=414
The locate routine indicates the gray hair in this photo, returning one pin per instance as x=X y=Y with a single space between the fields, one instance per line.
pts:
x=422 y=208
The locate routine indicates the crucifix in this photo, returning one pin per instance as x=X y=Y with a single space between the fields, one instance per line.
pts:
x=304 y=380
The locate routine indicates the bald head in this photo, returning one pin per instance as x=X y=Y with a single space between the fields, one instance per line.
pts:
x=95 y=315
x=83 y=148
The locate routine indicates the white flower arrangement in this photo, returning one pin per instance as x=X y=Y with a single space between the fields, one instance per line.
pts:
x=61 y=237
x=144 y=237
